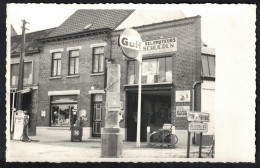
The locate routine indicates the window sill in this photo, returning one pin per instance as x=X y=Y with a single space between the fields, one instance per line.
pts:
x=97 y=74
x=72 y=76
x=143 y=84
x=55 y=77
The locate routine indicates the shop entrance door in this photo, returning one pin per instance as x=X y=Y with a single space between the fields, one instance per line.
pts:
x=97 y=120
x=155 y=111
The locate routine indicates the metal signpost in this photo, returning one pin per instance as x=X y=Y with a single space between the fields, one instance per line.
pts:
x=196 y=125
x=130 y=42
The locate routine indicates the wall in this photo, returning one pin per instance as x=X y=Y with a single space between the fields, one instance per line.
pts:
x=82 y=82
x=208 y=103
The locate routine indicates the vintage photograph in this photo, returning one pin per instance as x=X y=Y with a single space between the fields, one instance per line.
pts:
x=96 y=82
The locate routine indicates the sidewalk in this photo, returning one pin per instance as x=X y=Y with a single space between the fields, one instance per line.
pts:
x=67 y=151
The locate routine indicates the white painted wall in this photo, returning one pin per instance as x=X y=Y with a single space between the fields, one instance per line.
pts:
x=144 y=17
x=208 y=103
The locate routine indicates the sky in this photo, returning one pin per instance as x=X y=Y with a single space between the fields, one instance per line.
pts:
x=230 y=29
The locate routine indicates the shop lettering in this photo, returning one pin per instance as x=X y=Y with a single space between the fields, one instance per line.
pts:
x=131 y=44
x=198 y=127
x=160 y=45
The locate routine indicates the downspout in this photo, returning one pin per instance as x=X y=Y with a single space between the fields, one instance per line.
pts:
x=193 y=91
x=109 y=36
x=193 y=103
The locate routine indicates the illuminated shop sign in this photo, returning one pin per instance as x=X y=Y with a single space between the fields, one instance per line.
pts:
x=160 y=45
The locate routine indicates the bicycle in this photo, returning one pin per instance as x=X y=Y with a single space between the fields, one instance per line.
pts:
x=162 y=136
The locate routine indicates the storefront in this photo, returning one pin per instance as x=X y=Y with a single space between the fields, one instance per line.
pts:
x=72 y=77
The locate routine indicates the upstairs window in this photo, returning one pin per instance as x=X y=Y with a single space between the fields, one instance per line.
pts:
x=156 y=70
x=74 y=62
x=56 y=64
x=98 y=60
x=208 y=65
x=27 y=79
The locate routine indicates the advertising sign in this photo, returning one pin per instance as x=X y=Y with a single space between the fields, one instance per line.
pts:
x=198 y=127
x=160 y=45
x=181 y=111
x=130 y=42
x=183 y=96
x=198 y=116
x=113 y=102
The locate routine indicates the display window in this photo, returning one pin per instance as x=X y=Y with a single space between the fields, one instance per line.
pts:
x=62 y=108
x=155 y=70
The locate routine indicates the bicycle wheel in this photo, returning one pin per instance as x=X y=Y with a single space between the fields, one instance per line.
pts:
x=176 y=139
x=153 y=138
x=166 y=139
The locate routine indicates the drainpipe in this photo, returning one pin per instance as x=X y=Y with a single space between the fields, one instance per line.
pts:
x=109 y=36
x=193 y=103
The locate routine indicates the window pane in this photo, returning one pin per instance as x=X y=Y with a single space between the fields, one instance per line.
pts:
x=54 y=69
x=59 y=67
x=168 y=69
x=161 y=73
x=14 y=74
x=99 y=50
x=205 y=66
x=131 y=72
x=101 y=60
x=74 y=53
x=77 y=66
x=27 y=73
x=56 y=55
x=64 y=115
x=97 y=98
x=54 y=115
x=212 y=66
x=95 y=66
x=72 y=65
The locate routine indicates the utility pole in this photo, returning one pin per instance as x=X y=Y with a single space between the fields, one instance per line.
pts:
x=19 y=101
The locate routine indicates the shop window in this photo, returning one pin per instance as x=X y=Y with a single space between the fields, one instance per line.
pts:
x=62 y=110
x=208 y=65
x=56 y=64
x=27 y=80
x=156 y=70
x=98 y=60
x=74 y=62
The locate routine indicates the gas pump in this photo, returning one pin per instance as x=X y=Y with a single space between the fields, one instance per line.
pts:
x=21 y=121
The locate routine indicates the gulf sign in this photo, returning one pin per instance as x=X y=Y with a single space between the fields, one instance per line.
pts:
x=130 y=42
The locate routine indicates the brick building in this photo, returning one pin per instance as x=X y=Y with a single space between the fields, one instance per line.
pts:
x=31 y=73
x=72 y=74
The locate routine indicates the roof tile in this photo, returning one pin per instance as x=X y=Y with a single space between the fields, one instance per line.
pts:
x=99 y=19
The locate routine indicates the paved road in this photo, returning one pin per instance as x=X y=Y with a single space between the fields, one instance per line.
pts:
x=66 y=151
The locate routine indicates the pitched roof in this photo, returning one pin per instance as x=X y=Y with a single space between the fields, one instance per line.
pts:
x=13 y=32
x=95 y=18
x=30 y=41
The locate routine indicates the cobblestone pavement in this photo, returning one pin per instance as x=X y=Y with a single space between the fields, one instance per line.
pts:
x=66 y=151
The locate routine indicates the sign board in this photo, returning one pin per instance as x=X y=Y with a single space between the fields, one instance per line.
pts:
x=183 y=96
x=181 y=111
x=113 y=101
x=160 y=45
x=130 y=42
x=198 y=127
x=198 y=117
